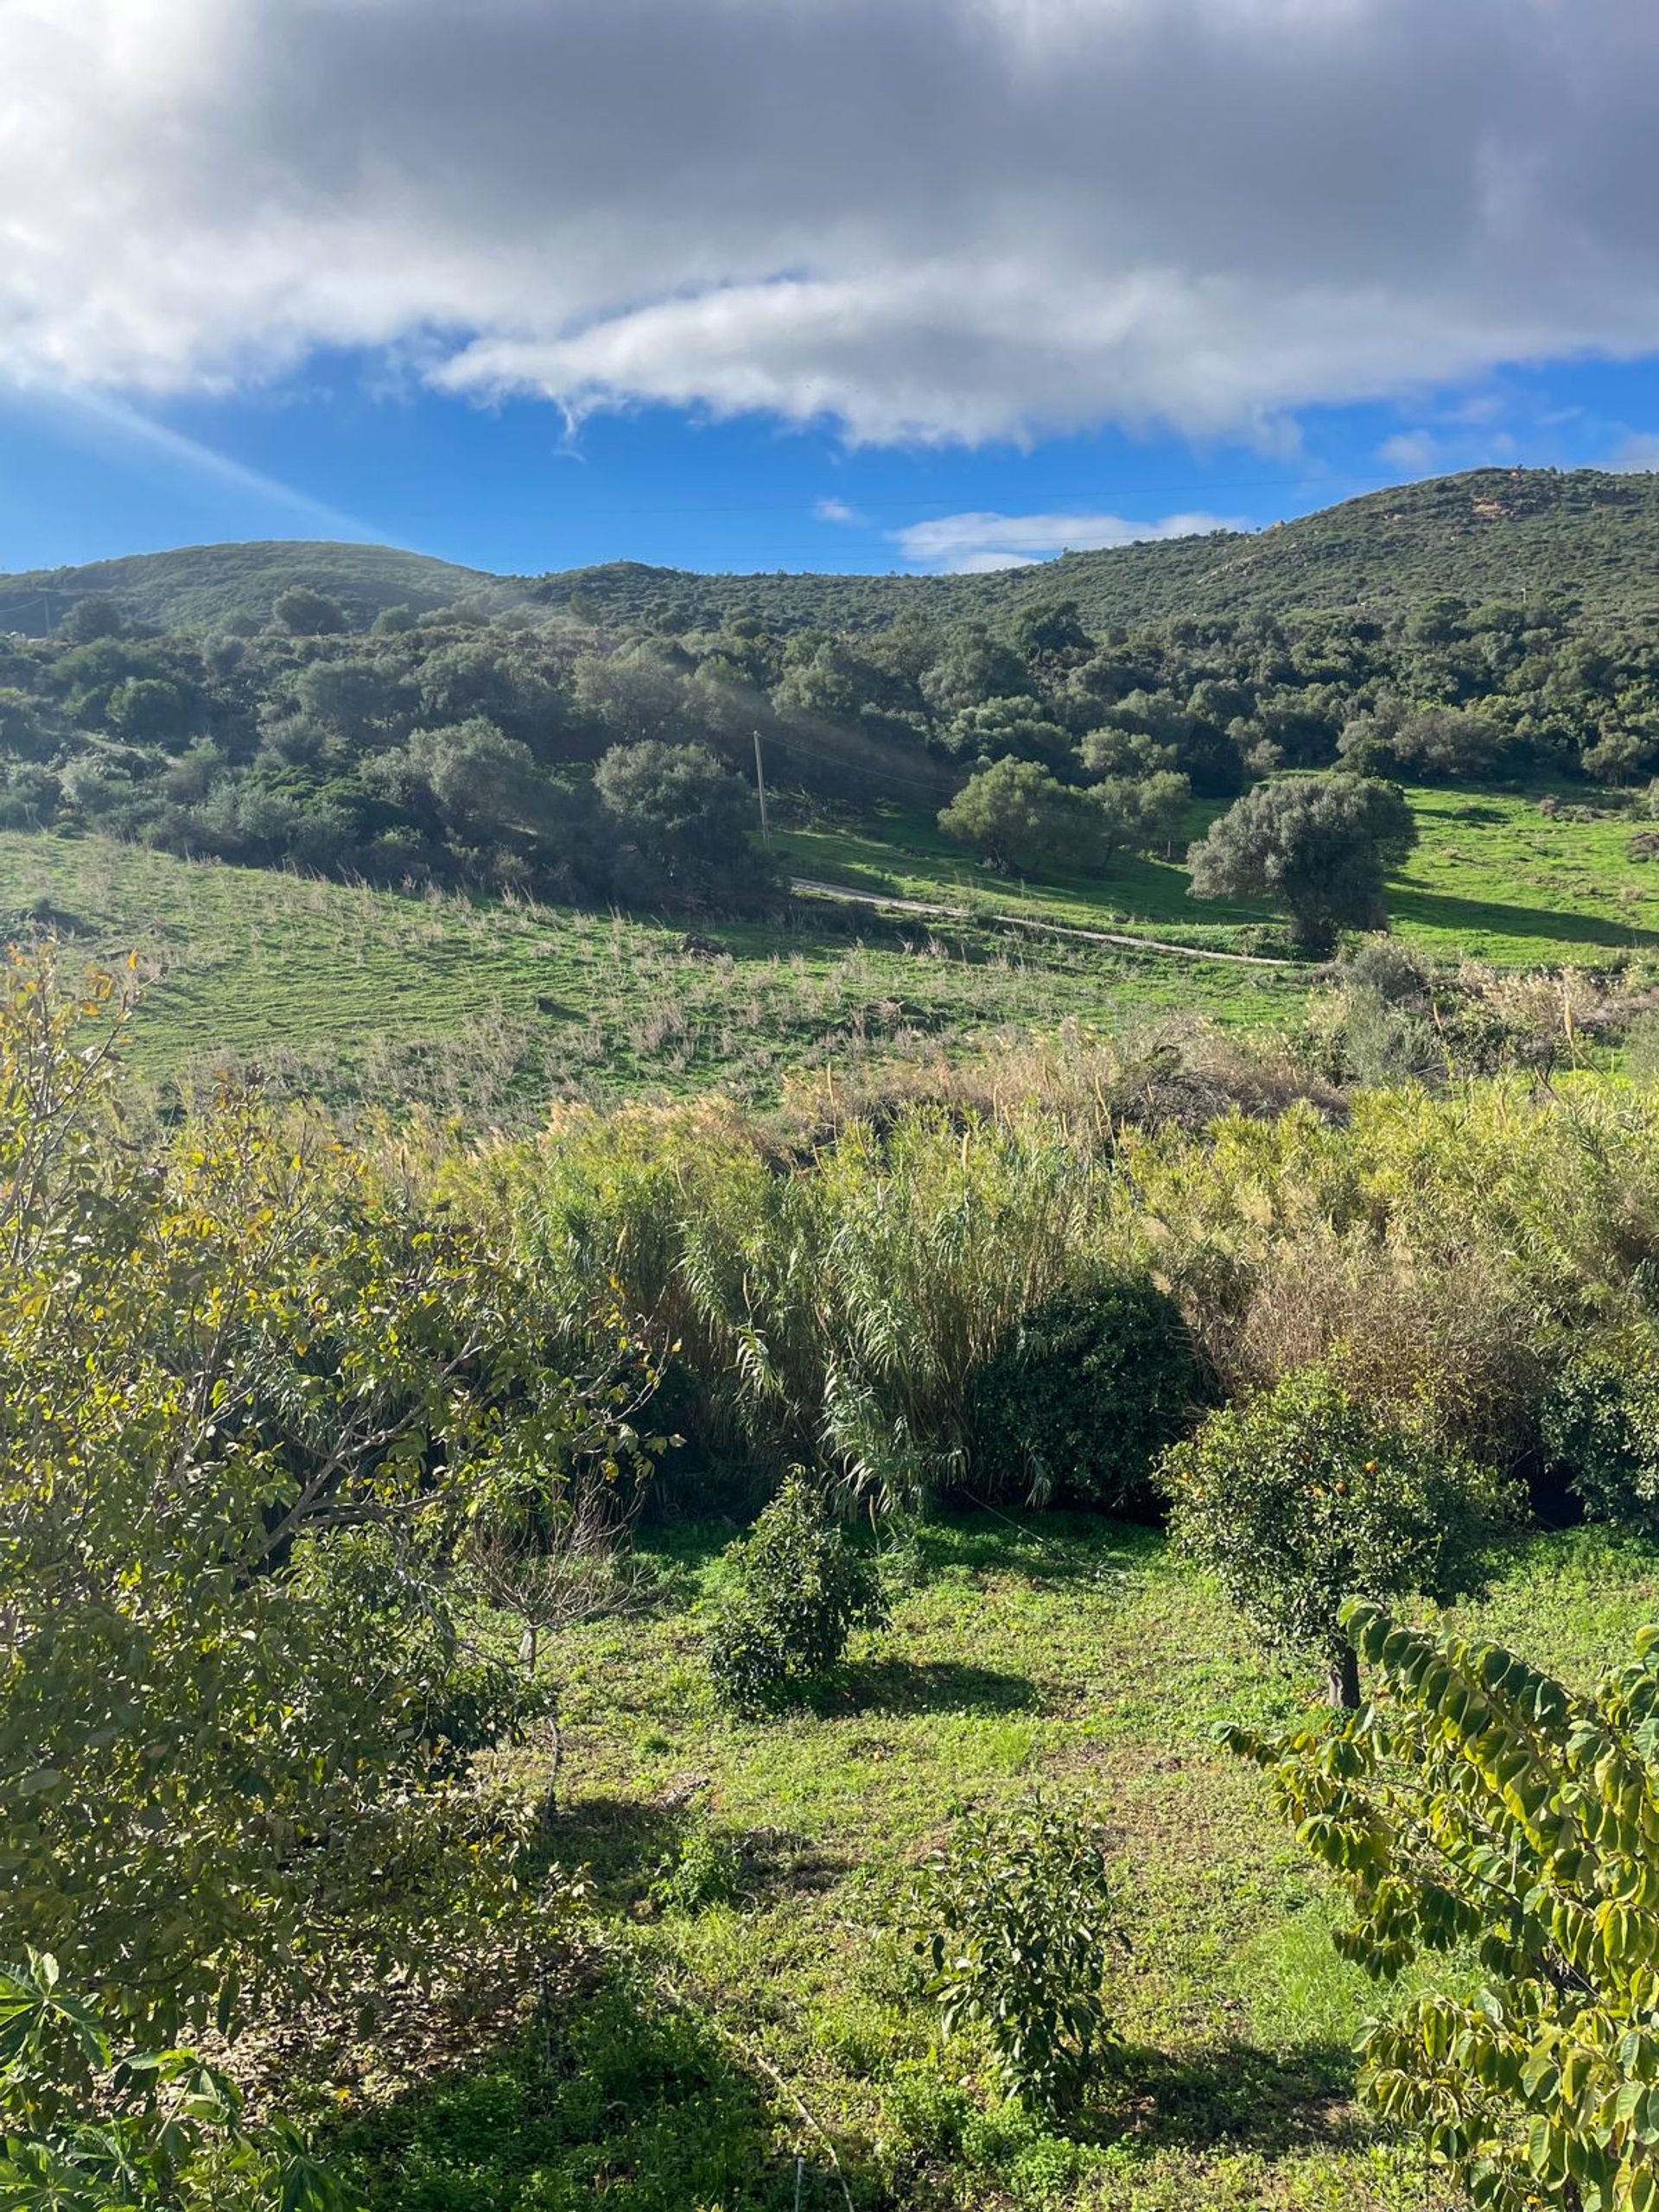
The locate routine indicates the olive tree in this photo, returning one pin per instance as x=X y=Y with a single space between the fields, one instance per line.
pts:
x=1319 y=846
x=1019 y=816
x=686 y=818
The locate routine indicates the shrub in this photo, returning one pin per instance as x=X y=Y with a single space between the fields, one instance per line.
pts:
x=1483 y=1807
x=150 y=2129
x=1014 y=1930
x=1088 y=1388
x=1383 y=965
x=800 y=1591
x=1601 y=1426
x=1303 y=1498
x=704 y=1868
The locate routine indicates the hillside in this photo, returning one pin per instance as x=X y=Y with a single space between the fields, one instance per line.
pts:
x=1493 y=533
x=201 y=585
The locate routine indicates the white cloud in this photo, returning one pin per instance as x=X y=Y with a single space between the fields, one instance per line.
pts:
x=1413 y=452
x=951 y=220
x=836 y=511
x=1637 y=454
x=972 y=544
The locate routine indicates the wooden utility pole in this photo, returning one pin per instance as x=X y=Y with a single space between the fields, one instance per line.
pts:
x=761 y=789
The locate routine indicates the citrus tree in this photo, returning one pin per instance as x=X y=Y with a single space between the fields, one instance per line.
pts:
x=1480 y=1811
x=1304 y=1497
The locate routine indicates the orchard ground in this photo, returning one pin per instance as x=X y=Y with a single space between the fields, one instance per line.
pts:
x=750 y=1999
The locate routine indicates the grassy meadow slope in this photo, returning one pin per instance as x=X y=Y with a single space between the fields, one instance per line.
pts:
x=355 y=992
x=197 y=586
x=349 y=993
x=1489 y=534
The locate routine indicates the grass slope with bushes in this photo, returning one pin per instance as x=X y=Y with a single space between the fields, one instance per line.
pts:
x=355 y=994
x=378 y=1493
x=757 y=2003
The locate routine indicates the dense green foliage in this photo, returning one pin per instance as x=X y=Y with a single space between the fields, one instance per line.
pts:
x=799 y=1590
x=1320 y=847
x=255 y=1401
x=1485 y=1807
x=1601 y=1426
x=456 y=739
x=1299 y=1499
x=1016 y=1920
x=1088 y=1389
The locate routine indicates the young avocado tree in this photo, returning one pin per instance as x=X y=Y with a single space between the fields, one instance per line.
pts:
x=799 y=1592
x=1482 y=1806
x=1319 y=846
x=1302 y=1498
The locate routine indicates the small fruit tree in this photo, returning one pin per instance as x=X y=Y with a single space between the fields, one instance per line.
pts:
x=800 y=1589
x=1304 y=1497
x=1015 y=1930
x=1479 y=1805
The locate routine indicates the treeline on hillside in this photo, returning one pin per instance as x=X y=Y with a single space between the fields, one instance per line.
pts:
x=1582 y=535
x=540 y=748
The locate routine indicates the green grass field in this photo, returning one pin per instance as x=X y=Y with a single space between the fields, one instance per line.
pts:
x=1492 y=878
x=767 y=2011
x=488 y=1009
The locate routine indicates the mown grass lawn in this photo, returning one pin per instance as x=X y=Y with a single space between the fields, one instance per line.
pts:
x=761 y=2010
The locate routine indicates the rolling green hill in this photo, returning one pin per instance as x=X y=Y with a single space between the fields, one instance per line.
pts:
x=1493 y=533
x=203 y=584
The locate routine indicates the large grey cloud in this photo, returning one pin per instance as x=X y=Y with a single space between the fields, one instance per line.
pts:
x=924 y=219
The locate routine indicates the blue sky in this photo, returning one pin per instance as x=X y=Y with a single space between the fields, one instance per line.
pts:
x=830 y=284
x=332 y=453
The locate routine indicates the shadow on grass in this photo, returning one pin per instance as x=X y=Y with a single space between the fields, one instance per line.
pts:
x=1439 y=909
x=926 y=1685
x=1050 y=1546
x=620 y=1841
x=614 y=2092
x=1235 y=2093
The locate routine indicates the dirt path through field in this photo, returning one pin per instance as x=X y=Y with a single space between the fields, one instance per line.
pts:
x=1049 y=929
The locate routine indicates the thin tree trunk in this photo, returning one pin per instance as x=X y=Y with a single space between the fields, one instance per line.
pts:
x=1342 y=1683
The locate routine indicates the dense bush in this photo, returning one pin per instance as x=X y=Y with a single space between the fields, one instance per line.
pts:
x=1601 y=1428
x=1301 y=1499
x=1016 y=1930
x=799 y=1590
x=1086 y=1390
x=1483 y=1814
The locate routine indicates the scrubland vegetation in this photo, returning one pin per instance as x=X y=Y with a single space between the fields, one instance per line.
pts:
x=416 y=1795
x=955 y=1512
